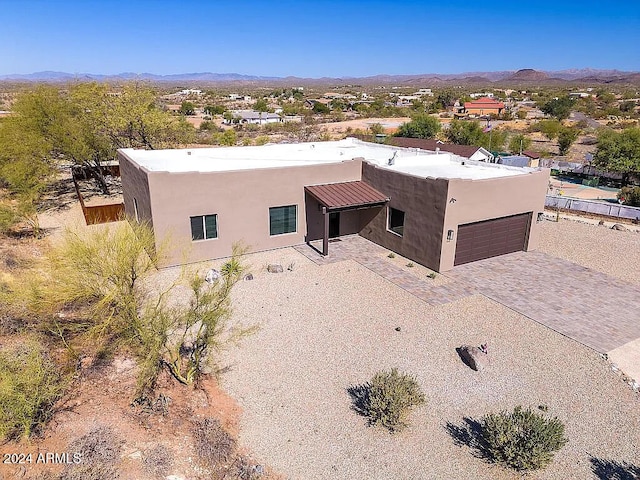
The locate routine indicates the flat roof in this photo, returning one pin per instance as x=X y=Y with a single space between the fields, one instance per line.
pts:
x=405 y=160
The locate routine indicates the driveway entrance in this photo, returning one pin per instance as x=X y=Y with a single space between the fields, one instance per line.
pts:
x=593 y=308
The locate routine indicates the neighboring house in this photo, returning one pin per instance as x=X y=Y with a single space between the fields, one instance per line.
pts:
x=533 y=156
x=467 y=151
x=514 y=160
x=483 y=106
x=251 y=116
x=437 y=210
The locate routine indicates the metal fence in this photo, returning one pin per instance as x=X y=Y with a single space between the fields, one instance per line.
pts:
x=592 y=206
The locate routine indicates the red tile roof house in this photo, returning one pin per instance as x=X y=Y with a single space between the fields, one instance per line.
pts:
x=438 y=210
x=483 y=106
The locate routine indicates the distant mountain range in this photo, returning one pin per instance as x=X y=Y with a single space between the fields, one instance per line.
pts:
x=524 y=76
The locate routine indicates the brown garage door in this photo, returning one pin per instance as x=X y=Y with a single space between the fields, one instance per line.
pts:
x=491 y=238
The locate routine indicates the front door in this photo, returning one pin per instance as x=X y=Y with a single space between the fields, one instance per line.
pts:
x=334 y=224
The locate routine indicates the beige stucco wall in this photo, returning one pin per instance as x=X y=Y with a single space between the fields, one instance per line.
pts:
x=241 y=200
x=477 y=200
x=135 y=185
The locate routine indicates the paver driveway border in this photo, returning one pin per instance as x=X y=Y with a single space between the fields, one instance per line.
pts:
x=595 y=309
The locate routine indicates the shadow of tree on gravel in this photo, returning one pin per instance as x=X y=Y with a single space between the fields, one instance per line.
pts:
x=360 y=395
x=469 y=434
x=613 y=470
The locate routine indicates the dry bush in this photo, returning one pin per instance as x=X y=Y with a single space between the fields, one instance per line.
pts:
x=100 y=449
x=158 y=461
x=387 y=399
x=522 y=439
x=213 y=444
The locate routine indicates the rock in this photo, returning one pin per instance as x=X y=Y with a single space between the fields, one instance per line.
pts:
x=619 y=227
x=601 y=222
x=398 y=329
x=473 y=357
x=212 y=276
x=274 y=268
x=248 y=276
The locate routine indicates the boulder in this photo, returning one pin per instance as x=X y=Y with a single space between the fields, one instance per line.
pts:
x=617 y=226
x=248 y=276
x=212 y=276
x=475 y=358
x=274 y=268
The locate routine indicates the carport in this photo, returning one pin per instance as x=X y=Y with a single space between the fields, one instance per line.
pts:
x=339 y=197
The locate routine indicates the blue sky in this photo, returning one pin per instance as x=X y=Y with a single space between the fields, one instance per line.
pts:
x=317 y=38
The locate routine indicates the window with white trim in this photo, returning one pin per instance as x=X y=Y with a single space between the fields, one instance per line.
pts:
x=395 y=221
x=204 y=227
x=283 y=219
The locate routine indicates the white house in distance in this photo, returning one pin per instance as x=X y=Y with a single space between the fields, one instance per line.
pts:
x=254 y=117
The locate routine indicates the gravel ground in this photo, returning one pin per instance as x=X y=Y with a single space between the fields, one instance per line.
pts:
x=609 y=251
x=326 y=328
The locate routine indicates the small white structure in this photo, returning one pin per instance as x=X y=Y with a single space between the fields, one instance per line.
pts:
x=253 y=117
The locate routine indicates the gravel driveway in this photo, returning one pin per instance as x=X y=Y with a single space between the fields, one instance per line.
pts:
x=325 y=328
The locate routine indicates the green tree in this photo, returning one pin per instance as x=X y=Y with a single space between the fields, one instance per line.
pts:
x=420 y=126
x=214 y=110
x=465 y=132
x=187 y=108
x=228 y=138
x=118 y=308
x=25 y=171
x=518 y=143
x=444 y=99
x=559 y=108
x=86 y=124
x=319 y=107
x=261 y=105
x=618 y=151
x=566 y=137
x=549 y=128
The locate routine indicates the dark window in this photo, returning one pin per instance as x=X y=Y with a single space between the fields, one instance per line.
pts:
x=135 y=209
x=396 y=221
x=204 y=227
x=282 y=219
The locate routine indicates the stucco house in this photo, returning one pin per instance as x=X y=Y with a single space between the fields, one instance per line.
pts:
x=467 y=151
x=439 y=210
x=483 y=106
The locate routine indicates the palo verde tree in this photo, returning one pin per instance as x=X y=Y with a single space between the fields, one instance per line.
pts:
x=25 y=172
x=619 y=151
x=421 y=125
x=566 y=137
x=463 y=132
x=106 y=276
x=85 y=124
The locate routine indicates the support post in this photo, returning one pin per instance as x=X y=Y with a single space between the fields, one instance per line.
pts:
x=325 y=237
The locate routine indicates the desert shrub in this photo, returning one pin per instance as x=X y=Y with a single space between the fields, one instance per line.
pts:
x=213 y=444
x=522 y=439
x=30 y=384
x=387 y=399
x=261 y=140
x=100 y=450
x=158 y=461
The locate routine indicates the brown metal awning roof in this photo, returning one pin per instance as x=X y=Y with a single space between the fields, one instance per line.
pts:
x=346 y=195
